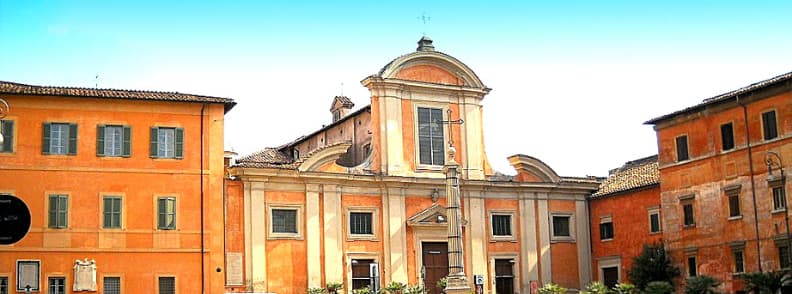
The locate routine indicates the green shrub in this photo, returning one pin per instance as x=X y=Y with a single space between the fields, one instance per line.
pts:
x=552 y=289
x=625 y=288
x=365 y=290
x=659 y=287
x=414 y=290
x=766 y=282
x=653 y=264
x=317 y=290
x=596 y=288
x=701 y=284
x=334 y=287
x=394 y=288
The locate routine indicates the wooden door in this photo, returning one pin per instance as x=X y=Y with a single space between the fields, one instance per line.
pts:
x=435 y=262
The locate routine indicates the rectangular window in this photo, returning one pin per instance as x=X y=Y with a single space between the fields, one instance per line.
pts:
x=57 y=285
x=682 y=148
x=769 y=127
x=727 y=136
x=166 y=213
x=111 y=285
x=59 y=138
x=501 y=225
x=783 y=256
x=430 y=136
x=687 y=210
x=691 y=264
x=112 y=140
x=734 y=205
x=167 y=142
x=561 y=226
x=58 y=211
x=361 y=273
x=654 y=221
x=7 y=129
x=504 y=276
x=167 y=285
x=606 y=230
x=112 y=212
x=779 y=201
x=360 y=223
x=3 y=283
x=284 y=221
x=739 y=264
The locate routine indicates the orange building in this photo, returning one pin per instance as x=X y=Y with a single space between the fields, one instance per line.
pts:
x=124 y=188
x=625 y=215
x=362 y=200
x=723 y=214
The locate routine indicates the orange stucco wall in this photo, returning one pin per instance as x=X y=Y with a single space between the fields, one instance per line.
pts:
x=629 y=213
x=428 y=73
x=564 y=255
x=137 y=252
x=708 y=172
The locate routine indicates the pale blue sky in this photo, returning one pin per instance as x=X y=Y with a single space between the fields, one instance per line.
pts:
x=572 y=81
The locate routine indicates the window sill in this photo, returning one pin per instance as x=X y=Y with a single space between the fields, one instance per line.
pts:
x=655 y=233
x=494 y=239
x=606 y=240
x=284 y=236
x=685 y=227
x=562 y=239
x=428 y=168
x=736 y=217
x=776 y=211
x=362 y=237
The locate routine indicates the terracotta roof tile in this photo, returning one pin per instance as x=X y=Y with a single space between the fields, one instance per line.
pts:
x=23 y=89
x=274 y=158
x=632 y=175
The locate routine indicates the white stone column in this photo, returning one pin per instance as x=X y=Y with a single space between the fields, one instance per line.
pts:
x=258 y=237
x=313 y=235
x=583 y=243
x=333 y=235
x=457 y=281
x=398 y=236
x=530 y=271
x=545 y=260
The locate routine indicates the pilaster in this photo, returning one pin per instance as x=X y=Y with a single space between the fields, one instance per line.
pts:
x=530 y=271
x=398 y=236
x=545 y=260
x=313 y=235
x=258 y=253
x=583 y=242
x=334 y=262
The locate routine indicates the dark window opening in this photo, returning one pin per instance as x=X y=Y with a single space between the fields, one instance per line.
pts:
x=501 y=225
x=504 y=276
x=360 y=223
x=682 y=148
x=561 y=226
x=769 y=125
x=687 y=209
x=606 y=231
x=727 y=136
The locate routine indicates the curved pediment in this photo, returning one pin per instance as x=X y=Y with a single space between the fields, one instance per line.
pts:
x=325 y=159
x=433 y=216
x=431 y=67
x=530 y=169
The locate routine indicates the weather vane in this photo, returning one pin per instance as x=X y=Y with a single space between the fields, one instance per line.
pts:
x=425 y=19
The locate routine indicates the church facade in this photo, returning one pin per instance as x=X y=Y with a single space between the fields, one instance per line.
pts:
x=361 y=201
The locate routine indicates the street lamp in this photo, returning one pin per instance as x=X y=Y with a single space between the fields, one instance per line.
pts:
x=772 y=159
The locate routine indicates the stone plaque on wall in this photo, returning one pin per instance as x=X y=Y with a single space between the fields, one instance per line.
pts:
x=234 y=276
x=28 y=272
x=84 y=275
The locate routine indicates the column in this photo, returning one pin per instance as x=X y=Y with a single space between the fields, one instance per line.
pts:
x=258 y=238
x=334 y=256
x=313 y=235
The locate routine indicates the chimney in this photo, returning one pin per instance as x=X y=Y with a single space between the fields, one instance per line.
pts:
x=341 y=107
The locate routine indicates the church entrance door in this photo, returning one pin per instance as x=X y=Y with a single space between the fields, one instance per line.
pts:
x=435 y=262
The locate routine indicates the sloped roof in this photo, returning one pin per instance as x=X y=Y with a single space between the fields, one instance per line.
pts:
x=275 y=158
x=23 y=89
x=725 y=97
x=635 y=174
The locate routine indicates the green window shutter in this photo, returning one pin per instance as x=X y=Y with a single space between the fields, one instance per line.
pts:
x=126 y=148
x=179 y=140
x=45 y=138
x=153 y=142
x=8 y=136
x=72 y=139
x=100 y=134
x=64 y=211
x=108 y=208
x=53 y=211
x=161 y=213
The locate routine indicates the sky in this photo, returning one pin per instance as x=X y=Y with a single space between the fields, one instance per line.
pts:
x=572 y=81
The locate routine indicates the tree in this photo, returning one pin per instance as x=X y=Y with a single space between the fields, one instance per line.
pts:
x=652 y=265
x=701 y=284
x=767 y=282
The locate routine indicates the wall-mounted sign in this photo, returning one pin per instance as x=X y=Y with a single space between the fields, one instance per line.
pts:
x=28 y=273
x=14 y=219
x=84 y=275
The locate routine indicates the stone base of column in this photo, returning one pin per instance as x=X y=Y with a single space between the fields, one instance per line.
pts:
x=457 y=285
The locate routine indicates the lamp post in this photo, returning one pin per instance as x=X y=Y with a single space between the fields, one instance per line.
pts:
x=772 y=159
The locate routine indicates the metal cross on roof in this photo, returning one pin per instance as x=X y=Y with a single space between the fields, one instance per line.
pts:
x=449 y=122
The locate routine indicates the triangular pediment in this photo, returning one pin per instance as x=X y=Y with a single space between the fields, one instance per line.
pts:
x=433 y=216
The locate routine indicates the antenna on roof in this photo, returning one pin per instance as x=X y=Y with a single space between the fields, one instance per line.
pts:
x=342 y=88
x=425 y=19
x=96 y=81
